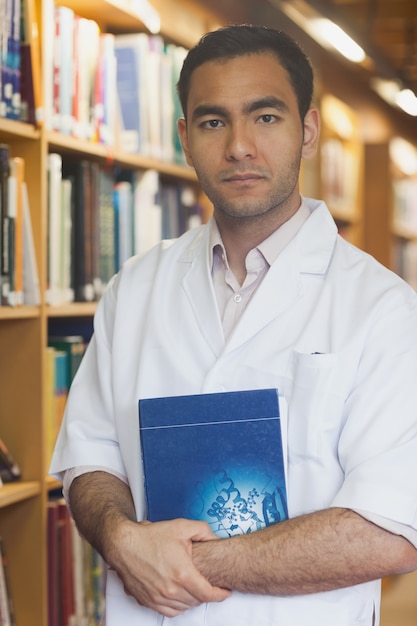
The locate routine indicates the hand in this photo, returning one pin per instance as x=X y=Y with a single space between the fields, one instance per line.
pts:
x=154 y=562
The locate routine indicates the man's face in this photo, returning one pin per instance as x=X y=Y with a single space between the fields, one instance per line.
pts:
x=244 y=135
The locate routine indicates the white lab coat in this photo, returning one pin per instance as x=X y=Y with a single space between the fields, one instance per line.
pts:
x=330 y=327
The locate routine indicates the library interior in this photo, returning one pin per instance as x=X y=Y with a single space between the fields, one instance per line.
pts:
x=92 y=172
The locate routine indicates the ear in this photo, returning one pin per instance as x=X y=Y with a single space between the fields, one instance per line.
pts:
x=311 y=133
x=183 y=135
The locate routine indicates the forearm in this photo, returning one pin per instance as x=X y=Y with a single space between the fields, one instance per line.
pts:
x=326 y=550
x=99 y=503
x=152 y=560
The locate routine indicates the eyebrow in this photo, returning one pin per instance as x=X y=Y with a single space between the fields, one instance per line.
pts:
x=268 y=102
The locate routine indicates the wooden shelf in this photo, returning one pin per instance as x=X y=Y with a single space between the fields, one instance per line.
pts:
x=22 y=312
x=75 y=309
x=52 y=483
x=71 y=145
x=14 y=129
x=120 y=15
x=11 y=493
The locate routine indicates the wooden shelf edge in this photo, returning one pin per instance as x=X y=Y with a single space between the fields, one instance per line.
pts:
x=75 y=309
x=402 y=232
x=21 y=312
x=14 y=129
x=52 y=483
x=109 y=155
x=12 y=493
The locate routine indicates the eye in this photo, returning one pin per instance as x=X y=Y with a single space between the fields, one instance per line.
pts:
x=209 y=124
x=267 y=118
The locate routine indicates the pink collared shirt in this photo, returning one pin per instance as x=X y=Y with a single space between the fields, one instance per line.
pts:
x=232 y=298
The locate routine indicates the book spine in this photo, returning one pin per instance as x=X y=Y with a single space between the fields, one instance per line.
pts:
x=4 y=220
x=15 y=60
x=8 y=463
x=31 y=287
x=65 y=17
x=54 y=295
x=17 y=169
x=5 y=597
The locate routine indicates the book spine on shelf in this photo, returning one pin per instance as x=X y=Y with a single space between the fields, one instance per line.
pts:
x=4 y=222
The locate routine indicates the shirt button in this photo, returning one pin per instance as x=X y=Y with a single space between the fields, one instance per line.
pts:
x=237 y=298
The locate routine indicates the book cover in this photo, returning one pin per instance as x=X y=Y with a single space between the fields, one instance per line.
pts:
x=214 y=457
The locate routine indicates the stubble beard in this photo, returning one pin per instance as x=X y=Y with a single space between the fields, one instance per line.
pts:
x=251 y=209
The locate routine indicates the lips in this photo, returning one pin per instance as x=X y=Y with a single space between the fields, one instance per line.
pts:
x=242 y=178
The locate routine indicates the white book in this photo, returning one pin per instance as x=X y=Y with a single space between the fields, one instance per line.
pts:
x=31 y=288
x=54 y=294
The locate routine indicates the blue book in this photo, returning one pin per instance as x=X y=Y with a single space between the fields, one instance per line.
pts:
x=214 y=457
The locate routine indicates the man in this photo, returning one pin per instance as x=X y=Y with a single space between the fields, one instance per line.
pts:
x=266 y=295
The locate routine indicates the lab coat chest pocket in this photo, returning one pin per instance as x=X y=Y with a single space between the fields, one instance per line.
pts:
x=315 y=404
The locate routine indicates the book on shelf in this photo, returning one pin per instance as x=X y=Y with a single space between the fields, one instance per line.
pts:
x=147 y=103
x=59 y=205
x=216 y=458
x=105 y=91
x=4 y=221
x=31 y=103
x=75 y=572
x=123 y=210
x=131 y=51
x=10 y=59
x=63 y=70
x=16 y=241
x=74 y=346
x=7 y=616
x=84 y=175
x=31 y=287
x=177 y=54
x=9 y=468
x=56 y=393
x=106 y=235
x=147 y=211
x=19 y=275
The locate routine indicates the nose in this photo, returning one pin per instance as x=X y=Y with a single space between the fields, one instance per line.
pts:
x=240 y=143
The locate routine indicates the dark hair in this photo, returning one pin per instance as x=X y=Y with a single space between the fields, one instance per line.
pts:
x=234 y=41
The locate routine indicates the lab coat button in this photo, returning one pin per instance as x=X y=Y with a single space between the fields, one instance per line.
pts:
x=237 y=298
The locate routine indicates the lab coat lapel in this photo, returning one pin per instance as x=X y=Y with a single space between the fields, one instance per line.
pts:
x=309 y=253
x=198 y=286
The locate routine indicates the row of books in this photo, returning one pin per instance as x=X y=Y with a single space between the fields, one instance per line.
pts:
x=76 y=573
x=405 y=260
x=19 y=273
x=114 y=89
x=20 y=86
x=98 y=217
x=339 y=175
x=7 y=617
x=111 y=88
x=405 y=205
x=63 y=357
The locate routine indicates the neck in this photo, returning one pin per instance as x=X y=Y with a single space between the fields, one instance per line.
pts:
x=240 y=235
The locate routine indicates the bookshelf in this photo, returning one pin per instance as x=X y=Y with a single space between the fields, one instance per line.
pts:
x=24 y=330
x=402 y=157
x=341 y=164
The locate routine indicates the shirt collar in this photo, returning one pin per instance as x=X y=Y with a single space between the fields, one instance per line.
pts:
x=272 y=246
